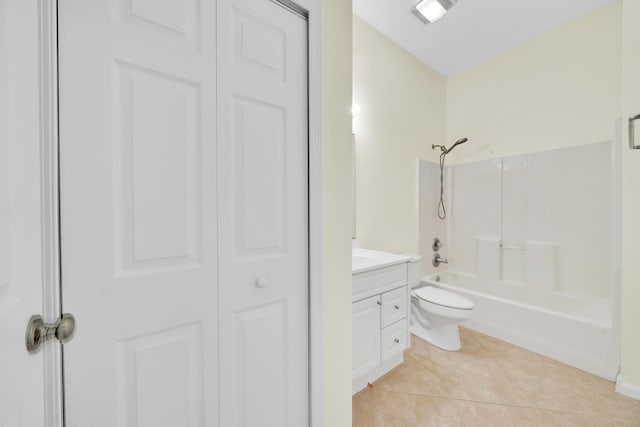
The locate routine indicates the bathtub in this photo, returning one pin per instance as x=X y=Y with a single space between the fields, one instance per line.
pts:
x=574 y=330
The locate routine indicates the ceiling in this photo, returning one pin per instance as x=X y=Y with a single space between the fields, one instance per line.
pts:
x=473 y=30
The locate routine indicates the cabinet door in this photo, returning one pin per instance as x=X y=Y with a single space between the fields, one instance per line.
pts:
x=366 y=335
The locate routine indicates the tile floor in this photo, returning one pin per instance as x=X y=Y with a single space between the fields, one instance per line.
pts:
x=489 y=383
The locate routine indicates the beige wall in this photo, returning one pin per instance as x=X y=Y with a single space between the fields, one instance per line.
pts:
x=336 y=182
x=560 y=89
x=402 y=114
x=631 y=201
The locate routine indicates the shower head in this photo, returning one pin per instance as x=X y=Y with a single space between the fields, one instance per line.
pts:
x=458 y=142
x=446 y=150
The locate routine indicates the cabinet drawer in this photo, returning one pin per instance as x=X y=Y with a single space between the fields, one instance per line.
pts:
x=393 y=339
x=394 y=306
x=380 y=280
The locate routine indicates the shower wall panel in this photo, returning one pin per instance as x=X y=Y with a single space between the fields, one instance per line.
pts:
x=474 y=204
x=430 y=225
x=550 y=212
x=571 y=203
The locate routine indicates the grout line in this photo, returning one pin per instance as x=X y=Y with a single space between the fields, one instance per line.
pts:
x=485 y=346
x=498 y=404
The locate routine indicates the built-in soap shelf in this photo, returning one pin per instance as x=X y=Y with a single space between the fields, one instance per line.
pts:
x=533 y=263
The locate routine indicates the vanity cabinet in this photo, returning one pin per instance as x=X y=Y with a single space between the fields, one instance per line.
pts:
x=365 y=323
x=379 y=323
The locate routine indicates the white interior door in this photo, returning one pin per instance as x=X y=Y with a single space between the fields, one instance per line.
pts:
x=138 y=211
x=21 y=274
x=263 y=186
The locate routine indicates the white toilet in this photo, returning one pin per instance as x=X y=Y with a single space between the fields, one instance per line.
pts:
x=435 y=312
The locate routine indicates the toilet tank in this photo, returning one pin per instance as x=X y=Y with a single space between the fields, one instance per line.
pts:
x=414 y=271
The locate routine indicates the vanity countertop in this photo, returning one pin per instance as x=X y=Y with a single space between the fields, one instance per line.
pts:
x=366 y=259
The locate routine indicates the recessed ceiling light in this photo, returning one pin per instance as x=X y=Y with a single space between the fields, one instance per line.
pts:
x=429 y=11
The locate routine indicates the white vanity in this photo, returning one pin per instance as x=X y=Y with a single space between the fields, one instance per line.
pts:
x=380 y=309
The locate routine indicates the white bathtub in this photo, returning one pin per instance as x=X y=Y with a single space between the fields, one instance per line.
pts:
x=574 y=330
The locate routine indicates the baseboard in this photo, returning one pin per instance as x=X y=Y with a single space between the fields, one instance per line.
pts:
x=628 y=390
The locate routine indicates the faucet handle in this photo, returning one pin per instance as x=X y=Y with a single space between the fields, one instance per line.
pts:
x=436 y=260
x=436 y=245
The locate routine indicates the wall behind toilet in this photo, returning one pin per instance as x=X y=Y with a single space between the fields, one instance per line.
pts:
x=561 y=89
x=402 y=113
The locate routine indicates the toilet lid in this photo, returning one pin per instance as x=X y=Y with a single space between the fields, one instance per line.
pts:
x=444 y=298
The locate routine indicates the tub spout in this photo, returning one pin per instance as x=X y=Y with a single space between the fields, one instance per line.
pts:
x=436 y=260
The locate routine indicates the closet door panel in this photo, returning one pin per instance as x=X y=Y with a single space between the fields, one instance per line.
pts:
x=138 y=177
x=263 y=187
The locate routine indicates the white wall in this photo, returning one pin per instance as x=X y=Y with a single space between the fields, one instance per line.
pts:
x=403 y=107
x=558 y=90
x=336 y=181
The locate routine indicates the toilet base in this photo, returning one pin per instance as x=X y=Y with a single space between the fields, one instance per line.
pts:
x=444 y=336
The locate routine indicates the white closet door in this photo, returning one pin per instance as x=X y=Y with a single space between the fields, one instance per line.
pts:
x=263 y=185
x=139 y=219
x=22 y=400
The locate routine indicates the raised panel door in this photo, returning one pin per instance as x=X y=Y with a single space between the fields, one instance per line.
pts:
x=263 y=185
x=139 y=211
x=22 y=395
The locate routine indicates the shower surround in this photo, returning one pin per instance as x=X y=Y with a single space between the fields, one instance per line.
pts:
x=534 y=241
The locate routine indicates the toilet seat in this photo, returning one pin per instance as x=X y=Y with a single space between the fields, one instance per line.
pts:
x=443 y=298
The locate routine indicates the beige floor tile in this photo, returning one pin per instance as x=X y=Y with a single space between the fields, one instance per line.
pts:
x=615 y=405
x=360 y=409
x=500 y=350
x=463 y=361
x=416 y=375
x=478 y=414
x=493 y=383
x=419 y=347
x=529 y=417
x=390 y=409
x=488 y=389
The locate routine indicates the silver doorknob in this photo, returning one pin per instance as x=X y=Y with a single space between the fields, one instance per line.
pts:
x=262 y=282
x=39 y=332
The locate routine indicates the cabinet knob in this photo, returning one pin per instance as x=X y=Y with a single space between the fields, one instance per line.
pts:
x=262 y=282
x=397 y=307
x=397 y=341
x=378 y=302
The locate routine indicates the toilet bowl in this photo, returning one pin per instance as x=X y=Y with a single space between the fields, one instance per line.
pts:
x=435 y=315
x=435 y=312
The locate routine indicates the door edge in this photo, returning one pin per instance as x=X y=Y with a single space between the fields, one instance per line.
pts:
x=50 y=207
